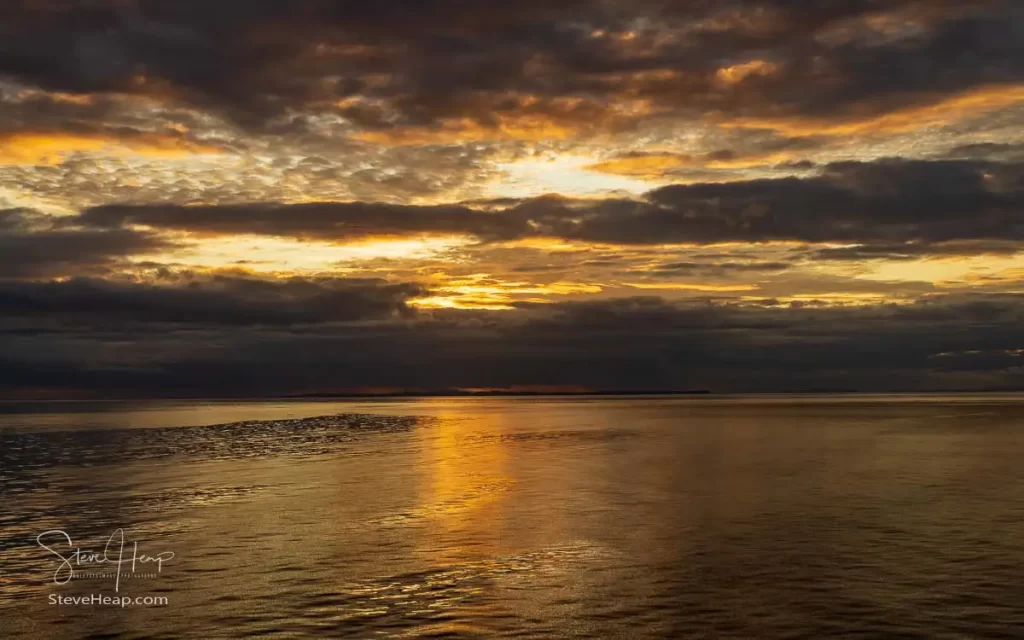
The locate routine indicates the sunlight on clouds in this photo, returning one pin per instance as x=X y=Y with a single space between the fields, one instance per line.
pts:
x=546 y=244
x=1011 y=279
x=567 y=175
x=681 y=286
x=395 y=249
x=841 y=299
x=481 y=291
x=15 y=198
x=260 y=253
x=641 y=164
x=523 y=127
x=947 y=111
x=54 y=148
x=492 y=303
x=739 y=72
x=948 y=271
x=647 y=122
x=654 y=166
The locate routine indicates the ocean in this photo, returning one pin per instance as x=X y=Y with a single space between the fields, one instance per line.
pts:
x=535 y=517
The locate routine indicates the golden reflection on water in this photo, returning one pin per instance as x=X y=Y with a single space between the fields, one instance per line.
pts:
x=516 y=518
x=463 y=479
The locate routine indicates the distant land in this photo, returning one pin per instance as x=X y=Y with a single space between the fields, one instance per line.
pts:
x=489 y=393
x=462 y=393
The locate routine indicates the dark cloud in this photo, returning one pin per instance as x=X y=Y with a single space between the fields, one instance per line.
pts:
x=216 y=300
x=994 y=151
x=882 y=201
x=634 y=343
x=24 y=111
x=887 y=202
x=419 y=63
x=330 y=220
x=34 y=245
x=977 y=360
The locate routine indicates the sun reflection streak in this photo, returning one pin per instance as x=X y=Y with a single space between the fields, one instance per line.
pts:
x=465 y=475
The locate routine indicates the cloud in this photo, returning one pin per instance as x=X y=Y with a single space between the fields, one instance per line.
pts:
x=320 y=142
x=626 y=343
x=210 y=300
x=915 y=250
x=883 y=201
x=714 y=268
x=972 y=103
x=886 y=201
x=338 y=221
x=993 y=151
x=47 y=148
x=34 y=245
x=656 y=165
x=439 y=71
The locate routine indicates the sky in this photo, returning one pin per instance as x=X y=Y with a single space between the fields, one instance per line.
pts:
x=262 y=197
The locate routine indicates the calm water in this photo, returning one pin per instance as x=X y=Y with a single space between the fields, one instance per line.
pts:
x=877 y=516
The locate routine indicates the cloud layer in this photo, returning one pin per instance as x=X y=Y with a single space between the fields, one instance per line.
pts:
x=259 y=196
x=623 y=344
x=889 y=201
x=407 y=67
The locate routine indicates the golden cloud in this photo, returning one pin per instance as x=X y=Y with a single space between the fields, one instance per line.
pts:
x=737 y=73
x=530 y=128
x=656 y=165
x=479 y=291
x=679 y=286
x=946 y=111
x=52 y=148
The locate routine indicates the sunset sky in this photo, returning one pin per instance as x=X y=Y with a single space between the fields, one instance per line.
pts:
x=250 y=197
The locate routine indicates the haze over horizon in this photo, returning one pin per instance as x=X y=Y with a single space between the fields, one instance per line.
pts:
x=325 y=196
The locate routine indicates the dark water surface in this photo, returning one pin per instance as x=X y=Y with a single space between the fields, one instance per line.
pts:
x=745 y=517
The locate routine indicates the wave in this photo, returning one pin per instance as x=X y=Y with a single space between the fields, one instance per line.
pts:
x=26 y=456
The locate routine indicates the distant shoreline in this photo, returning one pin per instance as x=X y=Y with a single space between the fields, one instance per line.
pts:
x=498 y=394
x=702 y=393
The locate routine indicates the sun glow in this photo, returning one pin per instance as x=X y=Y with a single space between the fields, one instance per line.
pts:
x=266 y=254
x=567 y=175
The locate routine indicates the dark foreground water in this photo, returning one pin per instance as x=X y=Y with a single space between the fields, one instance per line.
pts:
x=869 y=516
